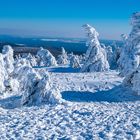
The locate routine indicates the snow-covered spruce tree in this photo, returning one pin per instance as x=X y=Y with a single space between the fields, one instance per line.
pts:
x=45 y=58
x=74 y=61
x=130 y=54
x=8 y=84
x=96 y=58
x=63 y=58
x=3 y=74
x=8 y=52
x=109 y=55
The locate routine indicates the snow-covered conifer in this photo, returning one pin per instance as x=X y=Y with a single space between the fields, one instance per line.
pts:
x=8 y=58
x=96 y=58
x=130 y=54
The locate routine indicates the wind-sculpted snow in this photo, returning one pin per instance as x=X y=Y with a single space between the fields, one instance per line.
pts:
x=96 y=58
x=45 y=58
x=113 y=113
x=130 y=54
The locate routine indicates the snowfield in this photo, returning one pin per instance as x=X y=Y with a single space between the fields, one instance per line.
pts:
x=95 y=106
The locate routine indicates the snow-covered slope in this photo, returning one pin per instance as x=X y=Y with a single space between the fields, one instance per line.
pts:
x=96 y=107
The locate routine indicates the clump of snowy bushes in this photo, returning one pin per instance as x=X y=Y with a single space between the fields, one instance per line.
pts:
x=96 y=57
x=19 y=77
x=45 y=58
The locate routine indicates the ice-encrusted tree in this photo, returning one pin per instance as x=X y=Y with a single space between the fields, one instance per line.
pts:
x=8 y=84
x=32 y=59
x=63 y=58
x=45 y=58
x=130 y=54
x=74 y=61
x=3 y=74
x=96 y=58
x=8 y=58
x=38 y=90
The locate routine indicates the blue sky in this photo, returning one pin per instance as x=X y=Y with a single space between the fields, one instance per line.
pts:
x=64 y=18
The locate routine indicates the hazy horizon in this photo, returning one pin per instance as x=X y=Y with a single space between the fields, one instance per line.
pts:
x=52 y=18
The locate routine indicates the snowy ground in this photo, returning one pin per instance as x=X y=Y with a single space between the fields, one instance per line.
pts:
x=97 y=107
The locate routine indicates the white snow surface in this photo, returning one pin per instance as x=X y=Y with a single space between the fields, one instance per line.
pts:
x=95 y=106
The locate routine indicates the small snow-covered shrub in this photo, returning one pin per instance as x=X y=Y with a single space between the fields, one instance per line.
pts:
x=63 y=58
x=32 y=60
x=96 y=58
x=45 y=58
x=35 y=86
x=74 y=61
x=37 y=90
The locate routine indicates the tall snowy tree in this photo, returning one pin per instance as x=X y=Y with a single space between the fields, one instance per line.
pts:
x=96 y=58
x=130 y=55
x=3 y=74
x=8 y=53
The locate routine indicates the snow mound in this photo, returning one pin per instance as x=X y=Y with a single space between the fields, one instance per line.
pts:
x=96 y=57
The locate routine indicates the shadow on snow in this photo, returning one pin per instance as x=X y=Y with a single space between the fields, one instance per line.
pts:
x=61 y=69
x=10 y=102
x=117 y=94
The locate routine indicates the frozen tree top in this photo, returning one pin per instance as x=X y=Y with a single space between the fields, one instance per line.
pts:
x=6 y=49
x=90 y=30
x=135 y=18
